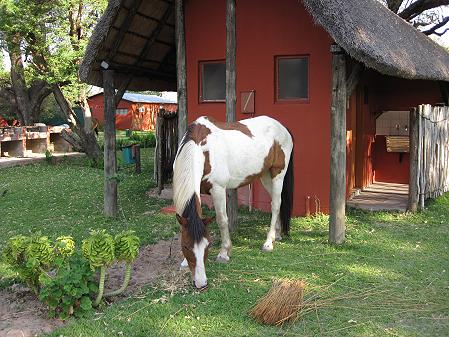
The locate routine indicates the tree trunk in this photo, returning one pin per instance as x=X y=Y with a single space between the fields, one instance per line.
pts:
x=80 y=140
x=18 y=84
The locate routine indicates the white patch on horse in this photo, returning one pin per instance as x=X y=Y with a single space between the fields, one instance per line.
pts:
x=184 y=264
x=189 y=163
x=200 y=278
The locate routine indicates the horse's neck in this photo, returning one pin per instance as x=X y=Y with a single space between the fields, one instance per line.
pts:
x=188 y=171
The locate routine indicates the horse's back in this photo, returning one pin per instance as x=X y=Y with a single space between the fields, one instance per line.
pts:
x=239 y=150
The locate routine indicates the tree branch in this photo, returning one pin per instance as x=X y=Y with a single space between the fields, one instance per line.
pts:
x=394 y=5
x=437 y=26
x=420 y=6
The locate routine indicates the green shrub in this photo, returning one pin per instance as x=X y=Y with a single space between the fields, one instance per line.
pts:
x=69 y=291
x=145 y=139
x=61 y=276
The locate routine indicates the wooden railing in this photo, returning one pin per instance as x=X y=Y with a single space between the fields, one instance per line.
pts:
x=166 y=146
x=429 y=154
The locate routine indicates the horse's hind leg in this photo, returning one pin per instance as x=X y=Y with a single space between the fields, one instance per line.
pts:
x=267 y=183
x=276 y=190
x=219 y=195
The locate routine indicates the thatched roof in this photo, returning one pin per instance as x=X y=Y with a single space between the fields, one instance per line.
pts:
x=136 y=37
x=375 y=36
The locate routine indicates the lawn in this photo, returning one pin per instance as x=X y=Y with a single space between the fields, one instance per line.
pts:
x=392 y=272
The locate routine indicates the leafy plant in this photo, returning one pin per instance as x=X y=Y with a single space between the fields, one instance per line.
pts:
x=98 y=249
x=30 y=257
x=49 y=157
x=65 y=246
x=126 y=249
x=68 y=291
x=145 y=139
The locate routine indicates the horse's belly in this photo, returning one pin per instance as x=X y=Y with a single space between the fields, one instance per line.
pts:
x=241 y=165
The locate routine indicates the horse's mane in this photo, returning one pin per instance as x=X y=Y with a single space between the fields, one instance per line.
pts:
x=187 y=172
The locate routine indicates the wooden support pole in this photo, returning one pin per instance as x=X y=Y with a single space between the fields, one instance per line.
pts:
x=137 y=158
x=110 y=160
x=231 y=98
x=181 y=68
x=338 y=148
x=413 y=192
x=160 y=151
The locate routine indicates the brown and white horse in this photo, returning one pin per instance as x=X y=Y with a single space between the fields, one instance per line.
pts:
x=214 y=156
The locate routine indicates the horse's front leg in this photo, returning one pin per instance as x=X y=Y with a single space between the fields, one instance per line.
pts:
x=219 y=195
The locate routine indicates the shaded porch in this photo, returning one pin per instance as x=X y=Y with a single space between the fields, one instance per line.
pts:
x=381 y=196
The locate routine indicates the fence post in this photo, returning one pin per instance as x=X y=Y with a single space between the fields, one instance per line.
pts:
x=161 y=152
x=136 y=149
x=413 y=192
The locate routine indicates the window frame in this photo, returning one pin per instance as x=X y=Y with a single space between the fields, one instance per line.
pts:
x=200 y=82
x=277 y=99
x=121 y=109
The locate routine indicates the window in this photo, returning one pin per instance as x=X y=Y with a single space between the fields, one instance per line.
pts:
x=292 y=78
x=121 y=111
x=213 y=81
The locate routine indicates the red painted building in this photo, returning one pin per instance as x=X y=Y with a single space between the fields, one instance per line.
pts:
x=284 y=70
x=134 y=112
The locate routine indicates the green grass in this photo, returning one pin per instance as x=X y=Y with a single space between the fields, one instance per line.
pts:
x=403 y=259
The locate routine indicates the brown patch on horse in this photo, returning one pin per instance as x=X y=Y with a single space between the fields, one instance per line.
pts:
x=274 y=163
x=187 y=245
x=205 y=184
x=198 y=133
x=237 y=126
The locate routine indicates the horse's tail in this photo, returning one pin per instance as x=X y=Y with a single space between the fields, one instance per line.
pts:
x=287 y=197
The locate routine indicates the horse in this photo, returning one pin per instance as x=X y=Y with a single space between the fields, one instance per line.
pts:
x=215 y=156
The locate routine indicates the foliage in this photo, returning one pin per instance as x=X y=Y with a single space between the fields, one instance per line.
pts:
x=126 y=246
x=145 y=139
x=98 y=249
x=65 y=246
x=68 y=292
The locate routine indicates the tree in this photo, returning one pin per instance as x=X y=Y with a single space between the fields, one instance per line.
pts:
x=426 y=15
x=45 y=40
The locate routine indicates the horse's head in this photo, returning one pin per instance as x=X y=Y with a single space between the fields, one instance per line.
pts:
x=195 y=243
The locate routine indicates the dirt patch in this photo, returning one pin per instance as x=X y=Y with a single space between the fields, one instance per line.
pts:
x=22 y=315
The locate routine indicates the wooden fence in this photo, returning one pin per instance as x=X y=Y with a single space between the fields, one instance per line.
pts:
x=429 y=154
x=166 y=146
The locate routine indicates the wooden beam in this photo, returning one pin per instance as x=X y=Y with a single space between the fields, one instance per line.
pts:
x=338 y=148
x=354 y=79
x=181 y=68
x=138 y=71
x=154 y=35
x=124 y=28
x=231 y=98
x=110 y=160
x=413 y=192
x=121 y=90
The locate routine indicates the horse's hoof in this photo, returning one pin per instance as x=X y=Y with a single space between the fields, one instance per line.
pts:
x=184 y=265
x=278 y=238
x=222 y=258
x=267 y=247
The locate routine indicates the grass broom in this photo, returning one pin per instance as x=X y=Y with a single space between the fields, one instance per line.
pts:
x=281 y=303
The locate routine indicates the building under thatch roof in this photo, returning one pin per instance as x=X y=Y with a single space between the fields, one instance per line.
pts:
x=136 y=38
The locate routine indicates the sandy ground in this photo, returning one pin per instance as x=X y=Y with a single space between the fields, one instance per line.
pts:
x=22 y=315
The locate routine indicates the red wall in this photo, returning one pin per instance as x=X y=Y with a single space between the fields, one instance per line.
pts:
x=122 y=122
x=266 y=29
x=134 y=120
x=389 y=167
x=389 y=93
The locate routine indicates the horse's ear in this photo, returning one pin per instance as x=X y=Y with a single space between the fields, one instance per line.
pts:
x=182 y=221
x=208 y=220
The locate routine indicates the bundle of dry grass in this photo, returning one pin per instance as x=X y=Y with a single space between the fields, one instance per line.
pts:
x=281 y=304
